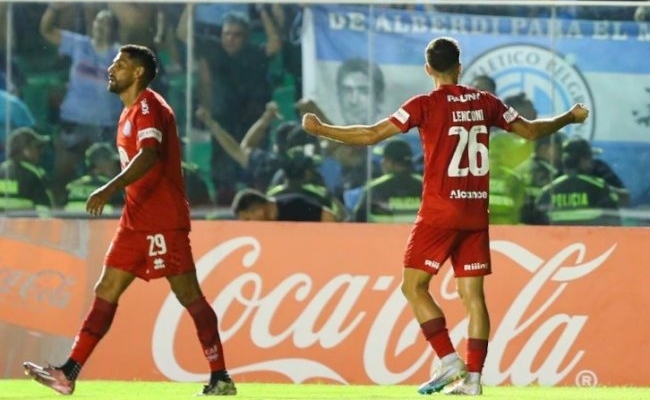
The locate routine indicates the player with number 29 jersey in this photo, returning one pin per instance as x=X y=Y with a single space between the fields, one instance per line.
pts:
x=157 y=201
x=454 y=123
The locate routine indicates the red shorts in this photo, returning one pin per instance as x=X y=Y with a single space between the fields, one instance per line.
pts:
x=151 y=255
x=429 y=247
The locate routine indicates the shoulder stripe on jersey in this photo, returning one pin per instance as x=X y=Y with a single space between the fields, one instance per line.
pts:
x=150 y=133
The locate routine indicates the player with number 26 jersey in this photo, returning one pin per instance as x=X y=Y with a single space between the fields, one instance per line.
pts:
x=157 y=201
x=454 y=123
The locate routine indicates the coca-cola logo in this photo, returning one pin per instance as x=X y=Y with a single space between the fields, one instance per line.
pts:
x=527 y=320
x=46 y=287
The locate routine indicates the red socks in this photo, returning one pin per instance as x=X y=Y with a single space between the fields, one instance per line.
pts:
x=205 y=320
x=435 y=331
x=93 y=329
x=476 y=353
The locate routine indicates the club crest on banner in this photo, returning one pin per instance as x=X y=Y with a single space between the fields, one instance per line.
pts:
x=551 y=80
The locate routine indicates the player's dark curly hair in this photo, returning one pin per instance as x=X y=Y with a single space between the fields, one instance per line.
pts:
x=144 y=57
x=443 y=54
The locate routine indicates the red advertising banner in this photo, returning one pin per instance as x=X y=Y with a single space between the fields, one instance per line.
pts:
x=302 y=302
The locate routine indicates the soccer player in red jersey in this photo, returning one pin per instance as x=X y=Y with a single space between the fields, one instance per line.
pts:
x=152 y=240
x=453 y=121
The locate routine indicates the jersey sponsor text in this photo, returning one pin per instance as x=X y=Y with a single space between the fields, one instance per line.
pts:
x=463 y=98
x=475 y=266
x=432 y=264
x=468 y=194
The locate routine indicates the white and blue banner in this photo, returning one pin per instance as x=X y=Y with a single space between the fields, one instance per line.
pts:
x=556 y=63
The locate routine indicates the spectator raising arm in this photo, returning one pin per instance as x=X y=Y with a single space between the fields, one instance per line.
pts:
x=47 y=27
x=229 y=144
x=273 y=40
x=259 y=129
x=181 y=28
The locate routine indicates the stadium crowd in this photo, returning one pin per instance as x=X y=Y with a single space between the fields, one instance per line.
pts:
x=243 y=144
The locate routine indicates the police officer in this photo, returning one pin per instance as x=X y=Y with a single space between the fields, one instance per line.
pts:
x=578 y=197
x=539 y=170
x=23 y=183
x=102 y=163
x=507 y=191
x=394 y=196
x=299 y=168
x=253 y=205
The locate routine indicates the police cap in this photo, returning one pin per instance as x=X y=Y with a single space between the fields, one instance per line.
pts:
x=21 y=138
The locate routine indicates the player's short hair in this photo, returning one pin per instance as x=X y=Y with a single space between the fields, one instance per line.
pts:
x=246 y=199
x=365 y=67
x=443 y=53
x=144 y=57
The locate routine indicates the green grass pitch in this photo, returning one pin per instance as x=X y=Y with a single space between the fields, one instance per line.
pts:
x=24 y=389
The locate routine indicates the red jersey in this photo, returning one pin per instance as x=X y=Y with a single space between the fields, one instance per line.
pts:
x=156 y=201
x=454 y=123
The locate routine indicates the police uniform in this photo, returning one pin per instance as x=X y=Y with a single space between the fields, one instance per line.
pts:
x=23 y=185
x=536 y=173
x=295 y=164
x=578 y=198
x=79 y=190
x=316 y=192
x=396 y=196
x=507 y=195
x=297 y=207
x=507 y=189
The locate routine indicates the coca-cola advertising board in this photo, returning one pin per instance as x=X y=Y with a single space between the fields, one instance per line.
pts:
x=303 y=302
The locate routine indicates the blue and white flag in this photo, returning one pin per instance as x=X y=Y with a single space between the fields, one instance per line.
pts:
x=556 y=63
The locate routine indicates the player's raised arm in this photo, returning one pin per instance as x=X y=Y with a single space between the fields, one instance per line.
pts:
x=352 y=134
x=538 y=128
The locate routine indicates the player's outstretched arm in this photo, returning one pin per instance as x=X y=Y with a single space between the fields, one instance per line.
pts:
x=539 y=128
x=352 y=134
